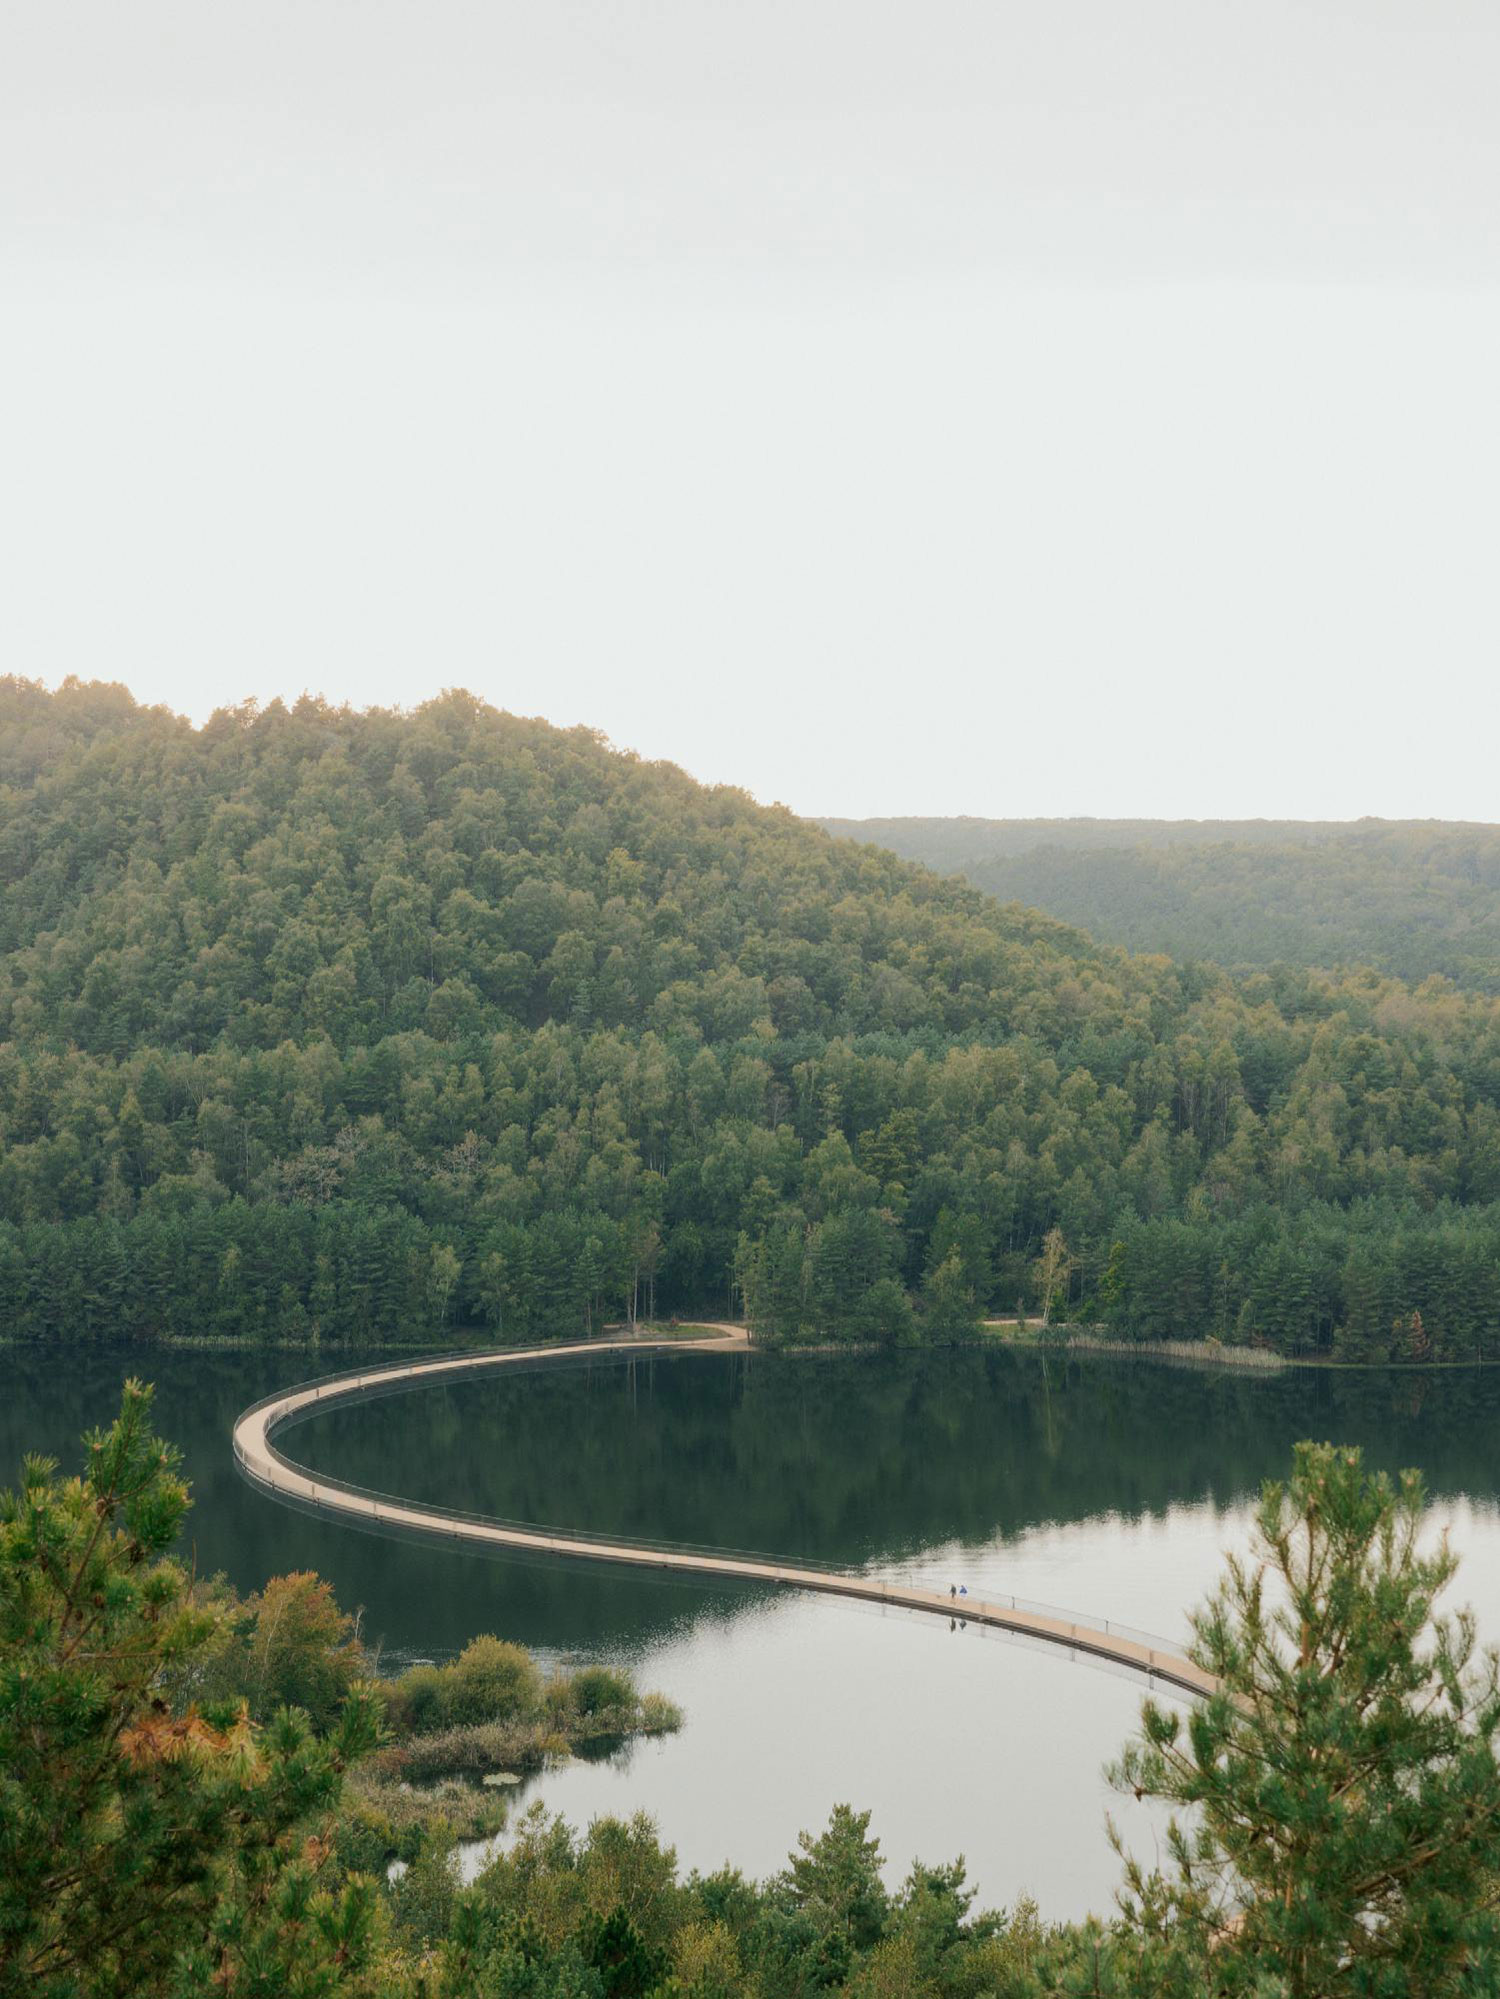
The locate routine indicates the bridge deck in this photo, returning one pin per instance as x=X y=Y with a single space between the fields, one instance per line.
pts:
x=264 y=1465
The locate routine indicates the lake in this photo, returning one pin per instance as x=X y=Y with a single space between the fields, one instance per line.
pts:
x=1107 y=1486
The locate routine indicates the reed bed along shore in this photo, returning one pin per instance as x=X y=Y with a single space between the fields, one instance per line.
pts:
x=1202 y=1353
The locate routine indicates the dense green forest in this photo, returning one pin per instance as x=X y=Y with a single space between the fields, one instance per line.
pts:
x=324 y=1024
x=1410 y=897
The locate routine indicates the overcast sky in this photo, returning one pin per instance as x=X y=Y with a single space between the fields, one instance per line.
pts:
x=1058 y=407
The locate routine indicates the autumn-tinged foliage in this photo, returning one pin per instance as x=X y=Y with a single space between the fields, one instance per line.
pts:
x=317 y=1025
x=289 y=1645
x=146 y=1851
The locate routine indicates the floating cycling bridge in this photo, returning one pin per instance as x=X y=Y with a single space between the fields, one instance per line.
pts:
x=265 y=1466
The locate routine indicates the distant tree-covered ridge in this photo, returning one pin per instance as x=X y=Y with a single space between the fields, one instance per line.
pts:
x=1412 y=897
x=337 y=1025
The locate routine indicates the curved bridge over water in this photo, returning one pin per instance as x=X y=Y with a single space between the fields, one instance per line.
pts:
x=265 y=1467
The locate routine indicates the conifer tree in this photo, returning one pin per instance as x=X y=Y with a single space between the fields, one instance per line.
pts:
x=1342 y=1784
x=145 y=1851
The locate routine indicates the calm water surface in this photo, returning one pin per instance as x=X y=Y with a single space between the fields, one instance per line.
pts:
x=1107 y=1486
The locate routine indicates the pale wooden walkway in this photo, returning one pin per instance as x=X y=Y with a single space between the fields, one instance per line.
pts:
x=264 y=1465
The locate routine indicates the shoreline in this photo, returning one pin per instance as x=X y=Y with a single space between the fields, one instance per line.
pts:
x=1213 y=1353
x=992 y=1333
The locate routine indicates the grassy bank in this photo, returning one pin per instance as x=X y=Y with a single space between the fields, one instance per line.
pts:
x=1198 y=1353
x=1074 y=1339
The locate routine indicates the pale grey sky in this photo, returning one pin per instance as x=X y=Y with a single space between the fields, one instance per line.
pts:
x=1060 y=407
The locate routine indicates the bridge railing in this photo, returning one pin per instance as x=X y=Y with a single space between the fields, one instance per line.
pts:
x=1110 y=1626
x=541 y=1530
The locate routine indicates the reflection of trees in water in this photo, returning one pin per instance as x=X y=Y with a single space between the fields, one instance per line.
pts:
x=846 y=1458
x=835 y=1457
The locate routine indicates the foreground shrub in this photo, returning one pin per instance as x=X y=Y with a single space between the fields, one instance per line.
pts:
x=658 y=1715
x=491 y=1681
x=300 y=1650
x=596 y=1690
x=415 y=1701
x=488 y=1681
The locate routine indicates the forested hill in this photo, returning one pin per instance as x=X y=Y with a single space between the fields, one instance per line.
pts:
x=328 y=1025
x=1407 y=896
